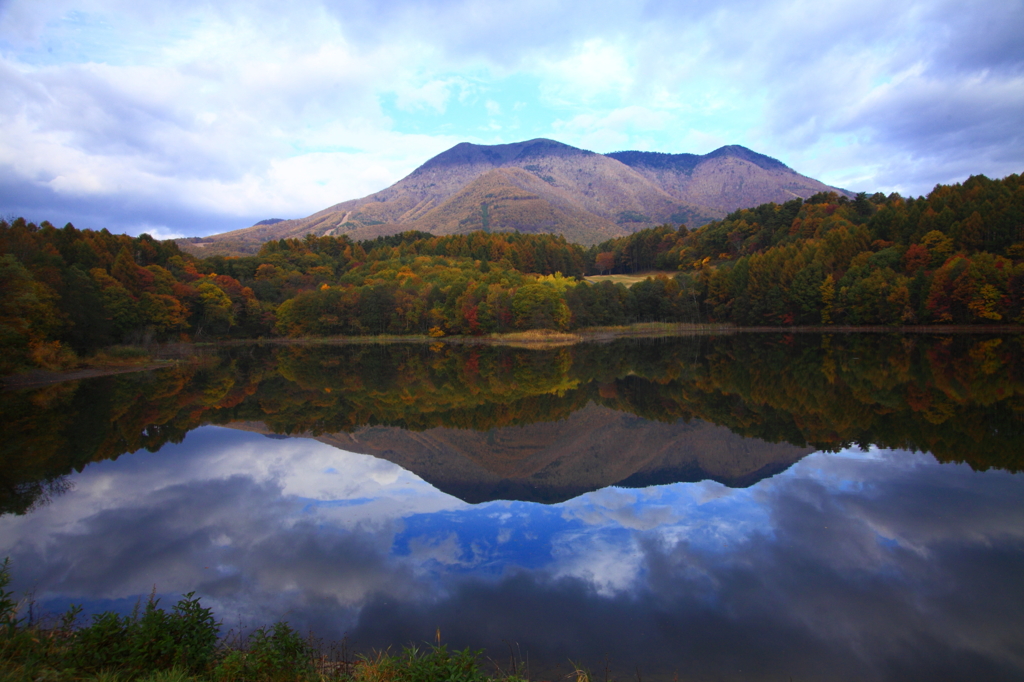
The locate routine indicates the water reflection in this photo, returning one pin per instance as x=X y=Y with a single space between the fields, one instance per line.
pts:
x=959 y=397
x=852 y=564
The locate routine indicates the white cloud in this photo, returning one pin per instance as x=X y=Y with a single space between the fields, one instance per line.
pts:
x=433 y=94
x=444 y=550
x=203 y=117
x=156 y=231
x=610 y=565
x=219 y=135
x=633 y=127
x=596 y=69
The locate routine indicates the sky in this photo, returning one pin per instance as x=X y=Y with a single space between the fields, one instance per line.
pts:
x=192 y=118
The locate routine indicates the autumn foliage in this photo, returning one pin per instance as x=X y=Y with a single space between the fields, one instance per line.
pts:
x=955 y=256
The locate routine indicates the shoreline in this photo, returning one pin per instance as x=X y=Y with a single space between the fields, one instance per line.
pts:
x=37 y=378
x=171 y=354
x=640 y=329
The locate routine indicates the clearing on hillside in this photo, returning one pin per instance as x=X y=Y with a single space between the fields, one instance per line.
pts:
x=630 y=280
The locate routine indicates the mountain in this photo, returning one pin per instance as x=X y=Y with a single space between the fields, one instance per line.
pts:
x=725 y=180
x=552 y=462
x=544 y=186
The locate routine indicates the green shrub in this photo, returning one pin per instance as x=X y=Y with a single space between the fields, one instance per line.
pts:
x=9 y=620
x=279 y=653
x=186 y=638
x=172 y=675
x=274 y=654
x=413 y=665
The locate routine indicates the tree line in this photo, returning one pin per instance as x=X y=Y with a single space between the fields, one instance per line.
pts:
x=955 y=256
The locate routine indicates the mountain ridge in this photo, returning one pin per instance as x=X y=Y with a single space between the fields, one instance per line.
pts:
x=690 y=161
x=585 y=196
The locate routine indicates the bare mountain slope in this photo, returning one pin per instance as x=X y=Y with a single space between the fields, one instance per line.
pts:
x=507 y=199
x=544 y=186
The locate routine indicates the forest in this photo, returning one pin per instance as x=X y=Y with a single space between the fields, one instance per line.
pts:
x=960 y=397
x=955 y=256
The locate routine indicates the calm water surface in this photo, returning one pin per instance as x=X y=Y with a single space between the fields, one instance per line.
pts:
x=743 y=507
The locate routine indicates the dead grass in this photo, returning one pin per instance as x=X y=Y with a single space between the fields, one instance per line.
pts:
x=117 y=356
x=630 y=280
x=537 y=335
x=653 y=330
x=534 y=338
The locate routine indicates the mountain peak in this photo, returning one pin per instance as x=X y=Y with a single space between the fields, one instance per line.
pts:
x=687 y=162
x=739 y=152
x=499 y=154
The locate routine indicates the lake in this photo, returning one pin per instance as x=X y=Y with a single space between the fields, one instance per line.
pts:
x=735 y=507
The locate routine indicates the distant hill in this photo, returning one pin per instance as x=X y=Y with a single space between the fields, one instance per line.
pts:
x=544 y=186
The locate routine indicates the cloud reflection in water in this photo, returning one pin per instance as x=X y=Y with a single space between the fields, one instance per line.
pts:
x=880 y=565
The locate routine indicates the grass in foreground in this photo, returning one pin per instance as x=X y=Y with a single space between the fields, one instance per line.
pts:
x=184 y=645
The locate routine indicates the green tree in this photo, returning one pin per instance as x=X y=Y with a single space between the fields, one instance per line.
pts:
x=539 y=306
x=216 y=315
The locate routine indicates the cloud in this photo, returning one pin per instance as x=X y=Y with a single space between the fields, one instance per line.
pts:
x=595 y=70
x=628 y=127
x=445 y=551
x=277 y=133
x=202 y=118
x=158 y=232
x=625 y=508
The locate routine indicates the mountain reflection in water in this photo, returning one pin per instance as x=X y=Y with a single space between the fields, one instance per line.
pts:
x=594 y=447
x=852 y=563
